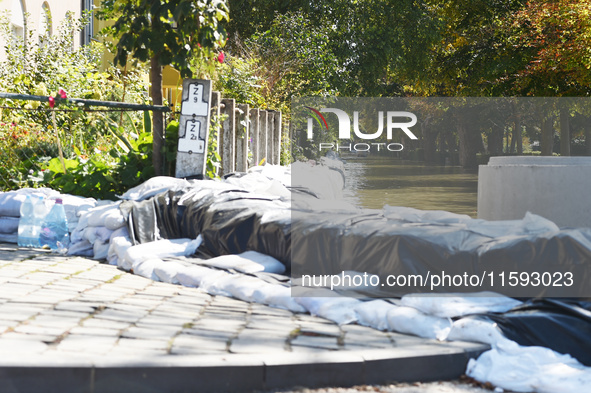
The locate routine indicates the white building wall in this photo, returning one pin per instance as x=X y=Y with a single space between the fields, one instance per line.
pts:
x=34 y=9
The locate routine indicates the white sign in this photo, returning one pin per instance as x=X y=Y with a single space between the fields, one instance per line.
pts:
x=195 y=105
x=194 y=140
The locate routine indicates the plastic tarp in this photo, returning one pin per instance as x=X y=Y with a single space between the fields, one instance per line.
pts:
x=562 y=326
x=230 y=220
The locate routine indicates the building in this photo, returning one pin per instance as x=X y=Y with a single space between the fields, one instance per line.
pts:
x=42 y=17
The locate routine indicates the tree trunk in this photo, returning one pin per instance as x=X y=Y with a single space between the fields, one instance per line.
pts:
x=518 y=135
x=157 y=118
x=470 y=139
x=564 y=132
x=547 y=142
x=429 y=143
x=495 y=140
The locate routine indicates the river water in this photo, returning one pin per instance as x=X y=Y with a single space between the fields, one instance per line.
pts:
x=373 y=182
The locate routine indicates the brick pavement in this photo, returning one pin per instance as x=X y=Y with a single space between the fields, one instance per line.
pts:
x=71 y=313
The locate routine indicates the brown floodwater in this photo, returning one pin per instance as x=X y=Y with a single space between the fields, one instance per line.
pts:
x=373 y=182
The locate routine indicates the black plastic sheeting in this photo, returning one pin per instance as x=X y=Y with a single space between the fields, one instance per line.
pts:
x=563 y=326
x=232 y=221
x=229 y=221
x=332 y=242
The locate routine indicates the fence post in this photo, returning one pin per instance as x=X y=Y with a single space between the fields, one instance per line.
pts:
x=270 y=131
x=228 y=139
x=262 y=136
x=254 y=135
x=277 y=139
x=215 y=112
x=242 y=136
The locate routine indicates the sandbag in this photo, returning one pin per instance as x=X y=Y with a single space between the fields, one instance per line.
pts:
x=411 y=321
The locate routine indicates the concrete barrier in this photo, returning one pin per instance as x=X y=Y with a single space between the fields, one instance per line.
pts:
x=557 y=188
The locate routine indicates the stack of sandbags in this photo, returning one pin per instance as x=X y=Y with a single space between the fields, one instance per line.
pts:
x=92 y=235
x=10 y=210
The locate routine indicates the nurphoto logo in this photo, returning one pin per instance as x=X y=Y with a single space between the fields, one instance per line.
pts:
x=395 y=120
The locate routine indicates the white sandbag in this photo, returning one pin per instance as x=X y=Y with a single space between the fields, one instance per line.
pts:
x=338 y=309
x=97 y=234
x=114 y=220
x=9 y=238
x=455 y=304
x=154 y=186
x=159 y=249
x=167 y=271
x=123 y=231
x=215 y=283
x=77 y=235
x=10 y=201
x=101 y=250
x=374 y=314
x=89 y=234
x=247 y=262
x=530 y=369
x=194 y=276
x=242 y=287
x=277 y=296
x=81 y=248
x=411 y=321
x=409 y=214
x=474 y=330
x=97 y=216
x=117 y=249
x=9 y=225
x=145 y=268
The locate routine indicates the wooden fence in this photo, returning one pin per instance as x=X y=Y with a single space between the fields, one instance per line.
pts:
x=247 y=135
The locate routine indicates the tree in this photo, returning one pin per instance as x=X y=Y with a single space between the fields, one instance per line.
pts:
x=165 y=32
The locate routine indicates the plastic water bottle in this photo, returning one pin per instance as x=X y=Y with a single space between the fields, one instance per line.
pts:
x=25 y=224
x=39 y=213
x=54 y=232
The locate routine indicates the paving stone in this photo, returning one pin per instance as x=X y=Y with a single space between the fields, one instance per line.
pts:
x=77 y=306
x=105 y=324
x=315 y=342
x=320 y=329
x=209 y=334
x=84 y=343
x=65 y=314
x=55 y=321
x=53 y=332
x=143 y=344
x=121 y=316
x=95 y=331
x=188 y=340
x=12 y=345
x=258 y=344
x=150 y=333
x=224 y=325
x=156 y=320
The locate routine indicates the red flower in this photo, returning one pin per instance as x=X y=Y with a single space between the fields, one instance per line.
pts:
x=221 y=57
x=62 y=94
x=51 y=102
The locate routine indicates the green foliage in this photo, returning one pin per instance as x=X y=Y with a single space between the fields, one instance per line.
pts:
x=172 y=31
x=213 y=162
x=104 y=151
x=97 y=177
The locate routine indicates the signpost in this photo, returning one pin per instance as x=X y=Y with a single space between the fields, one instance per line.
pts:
x=193 y=128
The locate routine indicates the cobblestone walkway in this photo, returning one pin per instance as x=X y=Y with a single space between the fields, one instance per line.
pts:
x=57 y=308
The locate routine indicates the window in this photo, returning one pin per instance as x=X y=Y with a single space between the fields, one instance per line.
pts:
x=87 y=32
x=45 y=27
x=17 y=19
